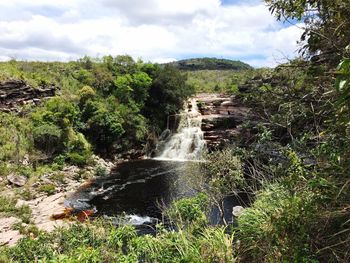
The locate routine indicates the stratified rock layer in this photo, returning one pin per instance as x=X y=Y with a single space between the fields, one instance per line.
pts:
x=222 y=116
x=16 y=93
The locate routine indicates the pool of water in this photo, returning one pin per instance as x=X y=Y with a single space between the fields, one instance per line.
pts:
x=136 y=191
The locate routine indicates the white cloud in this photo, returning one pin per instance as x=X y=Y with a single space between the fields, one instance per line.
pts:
x=155 y=30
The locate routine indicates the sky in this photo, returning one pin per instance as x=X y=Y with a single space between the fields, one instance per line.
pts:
x=152 y=30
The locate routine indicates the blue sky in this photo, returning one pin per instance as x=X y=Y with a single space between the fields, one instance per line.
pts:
x=154 y=30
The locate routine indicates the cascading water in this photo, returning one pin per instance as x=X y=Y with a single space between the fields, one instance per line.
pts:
x=135 y=189
x=188 y=143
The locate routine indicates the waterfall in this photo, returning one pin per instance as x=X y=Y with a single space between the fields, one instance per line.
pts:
x=188 y=142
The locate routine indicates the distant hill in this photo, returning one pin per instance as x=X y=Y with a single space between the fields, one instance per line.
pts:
x=210 y=64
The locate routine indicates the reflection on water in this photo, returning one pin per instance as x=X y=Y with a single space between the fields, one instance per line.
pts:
x=136 y=188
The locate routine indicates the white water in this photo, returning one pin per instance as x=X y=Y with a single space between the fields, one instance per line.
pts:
x=134 y=220
x=188 y=142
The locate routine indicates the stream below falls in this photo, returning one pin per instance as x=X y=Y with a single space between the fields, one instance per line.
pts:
x=137 y=190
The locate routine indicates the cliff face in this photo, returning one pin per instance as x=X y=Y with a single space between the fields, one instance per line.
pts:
x=16 y=93
x=222 y=116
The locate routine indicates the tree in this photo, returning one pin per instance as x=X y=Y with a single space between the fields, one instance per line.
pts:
x=327 y=26
x=220 y=176
x=47 y=138
x=104 y=129
x=166 y=94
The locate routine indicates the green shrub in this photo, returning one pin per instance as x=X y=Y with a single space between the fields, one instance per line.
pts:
x=8 y=207
x=77 y=159
x=86 y=93
x=277 y=226
x=190 y=210
x=60 y=161
x=101 y=171
x=48 y=138
x=104 y=128
x=26 y=194
x=32 y=250
x=49 y=189
x=101 y=242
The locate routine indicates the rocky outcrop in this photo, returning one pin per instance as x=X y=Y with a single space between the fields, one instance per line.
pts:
x=16 y=179
x=16 y=93
x=8 y=235
x=222 y=116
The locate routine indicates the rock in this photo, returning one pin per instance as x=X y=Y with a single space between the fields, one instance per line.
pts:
x=15 y=93
x=103 y=163
x=20 y=203
x=222 y=116
x=17 y=180
x=237 y=210
x=25 y=160
x=10 y=238
x=36 y=185
x=46 y=207
x=7 y=222
x=7 y=235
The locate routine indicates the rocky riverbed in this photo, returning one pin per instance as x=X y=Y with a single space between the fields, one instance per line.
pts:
x=46 y=207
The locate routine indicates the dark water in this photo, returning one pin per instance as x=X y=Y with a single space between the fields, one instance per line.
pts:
x=138 y=190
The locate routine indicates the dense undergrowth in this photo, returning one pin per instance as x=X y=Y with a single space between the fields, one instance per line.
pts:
x=193 y=241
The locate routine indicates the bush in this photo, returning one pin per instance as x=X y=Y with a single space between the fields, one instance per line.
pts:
x=8 y=207
x=103 y=129
x=277 y=226
x=48 y=138
x=79 y=159
x=58 y=111
x=188 y=211
x=32 y=250
x=78 y=143
x=49 y=189
x=101 y=171
x=86 y=93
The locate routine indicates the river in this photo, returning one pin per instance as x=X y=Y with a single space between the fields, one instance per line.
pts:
x=138 y=190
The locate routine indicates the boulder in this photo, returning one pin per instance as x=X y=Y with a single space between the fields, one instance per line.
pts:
x=17 y=180
x=237 y=210
x=8 y=236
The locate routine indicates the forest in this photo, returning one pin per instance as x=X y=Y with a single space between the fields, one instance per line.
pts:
x=291 y=159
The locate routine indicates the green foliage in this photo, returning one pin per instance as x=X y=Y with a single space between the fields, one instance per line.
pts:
x=14 y=137
x=113 y=101
x=8 y=207
x=58 y=111
x=31 y=250
x=55 y=130
x=189 y=211
x=87 y=93
x=104 y=128
x=210 y=64
x=220 y=175
x=166 y=94
x=48 y=189
x=48 y=138
x=104 y=243
x=277 y=227
x=217 y=81
x=327 y=25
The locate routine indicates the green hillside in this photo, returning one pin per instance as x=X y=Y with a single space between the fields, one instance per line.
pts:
x=210 y=64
